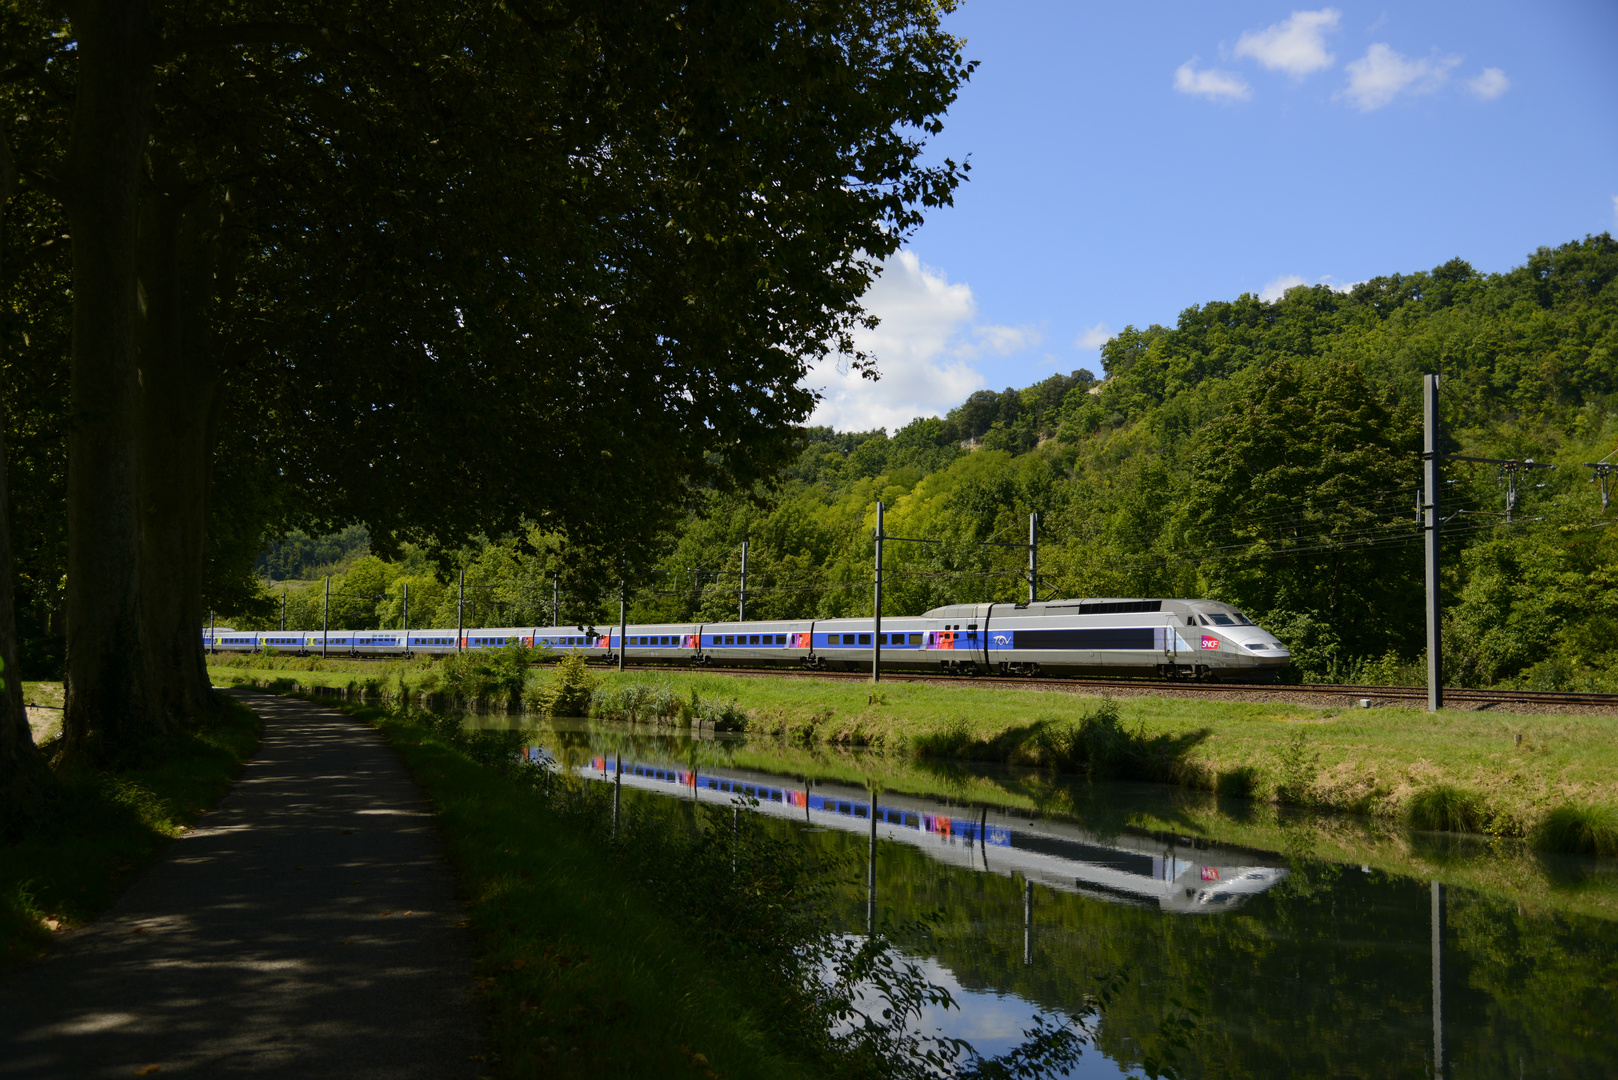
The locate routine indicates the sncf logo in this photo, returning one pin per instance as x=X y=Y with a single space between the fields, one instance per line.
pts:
x=1209 y=642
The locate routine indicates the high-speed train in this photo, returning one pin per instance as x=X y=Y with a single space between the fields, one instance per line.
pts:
x=1190 y=638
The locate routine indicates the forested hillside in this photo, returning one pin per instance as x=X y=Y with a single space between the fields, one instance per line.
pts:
x=1263 y=453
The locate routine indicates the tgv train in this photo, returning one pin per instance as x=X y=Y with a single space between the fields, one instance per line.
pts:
x=1194 y=638
x=1185 y=876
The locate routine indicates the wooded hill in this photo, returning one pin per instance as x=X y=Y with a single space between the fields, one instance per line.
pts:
x=1263 y=453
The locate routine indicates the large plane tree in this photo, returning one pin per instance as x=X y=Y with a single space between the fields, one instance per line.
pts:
x=440 y=268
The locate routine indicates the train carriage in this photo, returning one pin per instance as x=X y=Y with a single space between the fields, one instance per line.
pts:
x=661 y=643
x=756 y=643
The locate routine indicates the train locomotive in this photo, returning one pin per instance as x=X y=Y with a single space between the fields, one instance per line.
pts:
x=1169 y=638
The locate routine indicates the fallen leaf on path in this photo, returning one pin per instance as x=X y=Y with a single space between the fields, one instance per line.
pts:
x=147 y=1070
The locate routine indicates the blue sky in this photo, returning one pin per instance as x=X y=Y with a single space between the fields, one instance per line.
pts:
x=1129 y=160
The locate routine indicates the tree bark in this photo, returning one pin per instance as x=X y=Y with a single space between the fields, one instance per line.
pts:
x=107 y=705
x=24 y=777
x=179 y=409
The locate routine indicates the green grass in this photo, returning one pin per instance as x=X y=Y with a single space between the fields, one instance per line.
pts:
x=1374 y=762
x=1579 y=830
x=1446 y=808
x=583 y=974
x=105 y=826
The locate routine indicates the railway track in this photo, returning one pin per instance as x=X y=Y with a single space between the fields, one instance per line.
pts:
x=1376 y=695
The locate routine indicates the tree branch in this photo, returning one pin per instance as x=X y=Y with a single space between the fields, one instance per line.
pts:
x=319 y=38
x=523 y=14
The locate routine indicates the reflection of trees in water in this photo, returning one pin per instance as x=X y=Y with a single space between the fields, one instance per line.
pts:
x=1327 y=974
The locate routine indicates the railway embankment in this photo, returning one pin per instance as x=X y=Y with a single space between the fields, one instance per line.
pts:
x=1549 y=777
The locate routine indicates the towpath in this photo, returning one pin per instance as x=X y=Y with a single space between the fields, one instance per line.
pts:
x=307 y=927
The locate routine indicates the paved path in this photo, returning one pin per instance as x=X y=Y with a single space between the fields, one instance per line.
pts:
x=306 y=928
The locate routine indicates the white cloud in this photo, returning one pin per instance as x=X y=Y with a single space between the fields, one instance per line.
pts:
x=1615 y=212
x=1095 y=337
x=1277 y=288
x=924 y=346
x=1488 y=85
x=999 y=340
x=1211 y=84
x=1381 y=75
x=1296 y=46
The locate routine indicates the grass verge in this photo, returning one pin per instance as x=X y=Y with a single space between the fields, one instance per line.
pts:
x=105 y=826
x=1383 y=763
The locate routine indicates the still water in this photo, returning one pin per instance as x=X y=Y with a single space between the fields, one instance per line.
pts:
x=1433 y=956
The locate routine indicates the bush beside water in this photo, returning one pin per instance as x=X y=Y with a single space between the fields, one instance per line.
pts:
x=1098 y=744
x=1446 y=808
x=637 y=704
x=1579 y=829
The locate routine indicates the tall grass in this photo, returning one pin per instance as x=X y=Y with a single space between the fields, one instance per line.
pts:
x=1579 y=829
x=1447 y=808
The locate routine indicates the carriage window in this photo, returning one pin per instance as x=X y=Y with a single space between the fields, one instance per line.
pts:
x=780 y=639
x=834 y=639
x=865 y=639
x=730 y=639
x=753 y=640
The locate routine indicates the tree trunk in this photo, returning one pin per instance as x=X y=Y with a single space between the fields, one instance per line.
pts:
x=179 y=406
x=24 y=778
x=107 y=704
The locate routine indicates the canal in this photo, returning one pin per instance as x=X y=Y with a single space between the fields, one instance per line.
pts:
x=1289 y=945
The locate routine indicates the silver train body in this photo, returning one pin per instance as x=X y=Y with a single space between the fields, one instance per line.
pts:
x=1192 y=638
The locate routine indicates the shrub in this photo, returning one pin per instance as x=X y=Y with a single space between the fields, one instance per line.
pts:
x=491 y=673
x=1238 y=783
x=568 y=691
x=722 y=715
x=1446 y=808
x=1579 y=829
x=639 y=704
x=1299 y=765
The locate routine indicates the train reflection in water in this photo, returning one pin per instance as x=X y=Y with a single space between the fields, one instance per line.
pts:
x=1184 y=875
